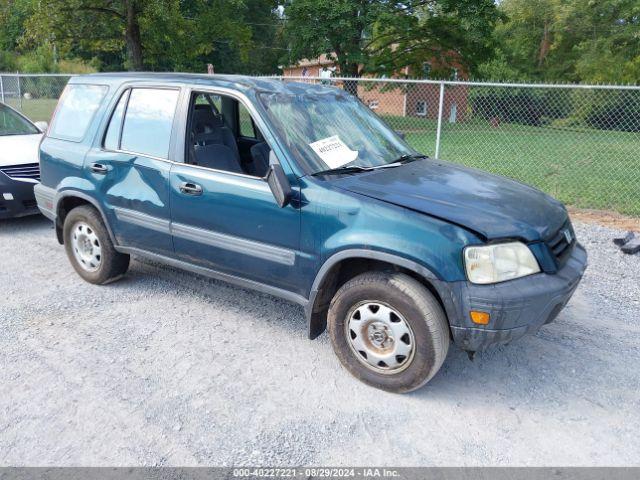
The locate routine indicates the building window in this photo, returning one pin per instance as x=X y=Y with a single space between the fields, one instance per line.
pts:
x=421 y=108
x=374 y=104
x=426 y=70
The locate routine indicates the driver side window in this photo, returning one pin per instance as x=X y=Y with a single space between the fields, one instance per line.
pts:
x=217 y=136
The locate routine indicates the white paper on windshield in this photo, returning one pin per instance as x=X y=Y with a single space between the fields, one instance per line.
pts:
x=334 y=152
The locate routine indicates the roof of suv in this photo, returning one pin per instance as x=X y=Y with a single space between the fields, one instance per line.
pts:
x=236 y=82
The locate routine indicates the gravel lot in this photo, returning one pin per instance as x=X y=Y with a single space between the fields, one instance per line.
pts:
x=168 y=368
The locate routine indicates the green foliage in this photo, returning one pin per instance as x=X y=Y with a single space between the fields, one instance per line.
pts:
x=13 y=14
x=377 y=36
x=567 y=40
x=510 y=40
x=524 y=106
x=234 y=35
x=183 y=35
x=40 y=60
x=8 y=61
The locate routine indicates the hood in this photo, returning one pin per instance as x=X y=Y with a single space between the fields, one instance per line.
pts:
x=19 y=149
x=492 y=206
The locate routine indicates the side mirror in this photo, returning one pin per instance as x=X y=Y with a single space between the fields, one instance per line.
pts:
x=42 y=126
x=279 y=185
x=401 y=134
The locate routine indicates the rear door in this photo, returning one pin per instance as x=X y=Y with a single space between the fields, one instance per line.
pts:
x=131 y=163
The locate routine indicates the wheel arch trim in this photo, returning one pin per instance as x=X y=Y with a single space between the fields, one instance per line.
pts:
x=89 y=199
x=315 y=321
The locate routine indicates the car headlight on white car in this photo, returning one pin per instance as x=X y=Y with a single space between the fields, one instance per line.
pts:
x=499 y=262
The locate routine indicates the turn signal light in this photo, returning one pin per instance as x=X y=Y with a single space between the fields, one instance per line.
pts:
x=481 y=318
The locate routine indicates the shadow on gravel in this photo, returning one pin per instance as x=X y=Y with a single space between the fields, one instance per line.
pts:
x=32 y=222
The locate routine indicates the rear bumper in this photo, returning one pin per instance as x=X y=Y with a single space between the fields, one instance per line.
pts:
x=45 y=198
x=16 y=198
x=517 y=307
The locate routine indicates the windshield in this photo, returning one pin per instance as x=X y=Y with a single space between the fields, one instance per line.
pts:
x=333 y=130
x=13 y=124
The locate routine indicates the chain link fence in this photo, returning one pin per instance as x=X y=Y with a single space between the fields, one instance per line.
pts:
x=35 y=96
x=579 y=143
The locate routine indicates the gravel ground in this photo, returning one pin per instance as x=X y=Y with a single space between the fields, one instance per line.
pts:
x=168 y=368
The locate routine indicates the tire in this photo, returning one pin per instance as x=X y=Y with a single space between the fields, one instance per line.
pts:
x=90 y=249
x=361 y=334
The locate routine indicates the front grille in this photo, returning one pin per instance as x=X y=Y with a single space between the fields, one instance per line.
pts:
x=29 y=203
x=29 y=170
x=559 y=245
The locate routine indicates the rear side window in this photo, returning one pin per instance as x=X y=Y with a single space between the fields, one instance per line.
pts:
x=148 y=121
x=77 y=107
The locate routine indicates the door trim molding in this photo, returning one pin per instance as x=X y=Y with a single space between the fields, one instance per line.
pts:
x=264 y=251
x=143 y=220
x=232 y=243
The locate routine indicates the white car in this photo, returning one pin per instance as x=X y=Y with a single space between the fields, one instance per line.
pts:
x=19 y=168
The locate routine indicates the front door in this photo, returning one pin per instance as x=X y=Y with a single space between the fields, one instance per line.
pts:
x=232 y=224
x=222 y=217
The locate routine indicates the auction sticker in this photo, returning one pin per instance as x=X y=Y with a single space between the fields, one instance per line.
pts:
x=334 y=152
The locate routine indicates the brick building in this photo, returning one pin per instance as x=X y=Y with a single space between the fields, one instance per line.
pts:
x=406 y=100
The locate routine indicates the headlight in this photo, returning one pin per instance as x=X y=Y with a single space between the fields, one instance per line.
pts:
x=499 y=262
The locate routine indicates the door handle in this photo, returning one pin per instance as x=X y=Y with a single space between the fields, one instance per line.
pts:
x=99 y=168
x=189 y=188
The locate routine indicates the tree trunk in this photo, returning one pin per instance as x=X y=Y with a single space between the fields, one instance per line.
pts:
x=350 y=70
x=545 y=44
x=132 y=36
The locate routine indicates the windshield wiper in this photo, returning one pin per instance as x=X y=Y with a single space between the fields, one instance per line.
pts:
x=409 y=157
x=344 y=169
x=361 y=168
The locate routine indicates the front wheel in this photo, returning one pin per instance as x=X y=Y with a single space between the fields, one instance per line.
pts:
x=90 y=249
x=388 y=330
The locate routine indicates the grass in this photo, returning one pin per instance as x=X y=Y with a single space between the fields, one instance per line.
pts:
x=39 y=109
x=584 y=168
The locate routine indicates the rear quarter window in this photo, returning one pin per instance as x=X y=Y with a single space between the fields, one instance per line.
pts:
x=78 y=105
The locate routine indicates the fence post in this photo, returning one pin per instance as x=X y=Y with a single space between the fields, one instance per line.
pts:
x=440 y=110
x=19 y=89
x=1 y=90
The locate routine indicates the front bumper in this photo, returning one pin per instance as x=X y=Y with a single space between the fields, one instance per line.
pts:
x=16 y=198
x=517 y=307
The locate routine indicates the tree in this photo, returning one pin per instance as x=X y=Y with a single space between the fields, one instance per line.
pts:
x=153 y=34
x=567 y=40
x=235 y=36
x=381 y=36
x=97 y=25
x=188 y=34
x=13 y=14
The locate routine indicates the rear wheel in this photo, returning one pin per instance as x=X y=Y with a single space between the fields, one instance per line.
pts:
x=388 y=330
x=89 y=247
